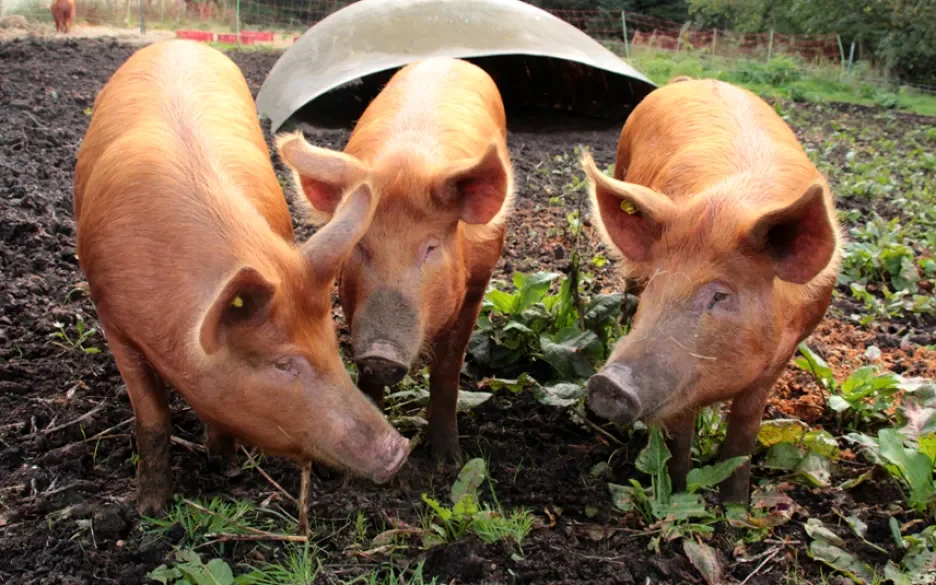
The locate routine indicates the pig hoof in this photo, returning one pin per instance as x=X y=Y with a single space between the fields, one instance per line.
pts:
x=151 y=502
x=446 y=453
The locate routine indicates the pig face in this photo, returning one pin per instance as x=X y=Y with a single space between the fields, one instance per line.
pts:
x=405 y=280
x=271 y=372
x=717 y=271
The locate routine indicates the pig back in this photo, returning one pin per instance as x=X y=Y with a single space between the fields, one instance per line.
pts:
x=192 y=93
x=173 y=189
x=440 y=109
x=686 y=137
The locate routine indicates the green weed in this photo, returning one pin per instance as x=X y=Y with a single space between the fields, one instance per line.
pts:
x=77 y=341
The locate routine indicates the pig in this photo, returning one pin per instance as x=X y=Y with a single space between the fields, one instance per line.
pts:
x=433 y=145
x=717 y=209
x=63 y=12
x=187 y=244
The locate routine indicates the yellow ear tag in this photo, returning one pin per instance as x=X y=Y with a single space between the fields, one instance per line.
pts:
x=628 y=207
x=237 y=302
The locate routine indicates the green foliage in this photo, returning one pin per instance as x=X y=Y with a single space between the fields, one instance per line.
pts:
x=390 y=575
x=188 y=569
x=530 y=325
x=880 y=256
x=226 y=517
x=301 y=567
x=77 y=341
x=468 y=515
x=898 y=34
x=674 y=514
x=862 y=398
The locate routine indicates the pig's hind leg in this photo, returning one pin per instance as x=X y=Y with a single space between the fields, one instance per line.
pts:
x=444 y=376
x=153 y=427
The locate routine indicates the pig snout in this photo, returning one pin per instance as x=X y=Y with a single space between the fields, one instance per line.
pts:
x=383 y=363
x=613 y=395
x=386 y=337
x=394 y=452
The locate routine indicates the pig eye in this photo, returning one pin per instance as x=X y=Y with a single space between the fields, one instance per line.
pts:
x=717 y=298
x=285 y=365
x=431 y=247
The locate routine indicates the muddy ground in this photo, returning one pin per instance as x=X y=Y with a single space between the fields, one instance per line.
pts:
x=539 y=458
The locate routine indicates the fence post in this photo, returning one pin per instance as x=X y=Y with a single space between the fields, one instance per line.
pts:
x=714 y=40
x=851 y=56
x=237 y=17
x=142 y=23
x=624 y=26
x=770 y=46
x=838 y=40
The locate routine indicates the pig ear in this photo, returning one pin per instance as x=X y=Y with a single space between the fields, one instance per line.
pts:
x=631 y=217
x=323 y=175
x=331 y=245
x=799 y=239
x=244 y=301
x=477 y=187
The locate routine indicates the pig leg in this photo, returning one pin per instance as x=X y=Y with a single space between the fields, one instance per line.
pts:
x=153 y=427
x=744 y=423
x=449 y=351
x=681 y=432
x=222 y=445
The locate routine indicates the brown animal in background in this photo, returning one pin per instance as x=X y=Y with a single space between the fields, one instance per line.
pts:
x=734 y=232
x=433 y=145
x=63 y=12
x=187 y=243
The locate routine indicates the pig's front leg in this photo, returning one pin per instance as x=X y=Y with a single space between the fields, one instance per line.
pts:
x=153 y=427
x=744 y=423
x=444 y=375
x=680 y=433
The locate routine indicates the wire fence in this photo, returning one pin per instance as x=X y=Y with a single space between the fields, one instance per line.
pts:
x=237 y=21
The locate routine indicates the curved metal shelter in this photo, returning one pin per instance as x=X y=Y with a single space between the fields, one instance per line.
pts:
x=539 y=62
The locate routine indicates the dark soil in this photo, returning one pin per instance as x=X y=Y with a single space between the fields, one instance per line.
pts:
x=52 y=481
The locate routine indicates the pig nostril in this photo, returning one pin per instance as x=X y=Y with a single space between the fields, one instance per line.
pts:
x=382 y=370
x=611 y=401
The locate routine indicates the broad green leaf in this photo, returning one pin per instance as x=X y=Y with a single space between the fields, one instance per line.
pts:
x=517 y=328
x=684 y=506
x=915 y=467
x=893 y=574
x=652 y=458
x=855 y=481
x=811 y=362
x=601 y=309
x=468 y=400
x=857 y=526
x=561 y=395
x=816 y=469
x=705 y=560
x=838 y=404
x=712 y=475
x=927 y=446
x=516 y=385
x=785 y=456
x=469 y=480
x=165 y=575
x=858 y=384
x=566 y=352
x=817 y=530
x=867 y=446
x=503 y=302
x=822 y=443
x=531 y=289
x=623 y=497
x=220 y=572
x=781 y=431
x=466 y=507
x=842 y=561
